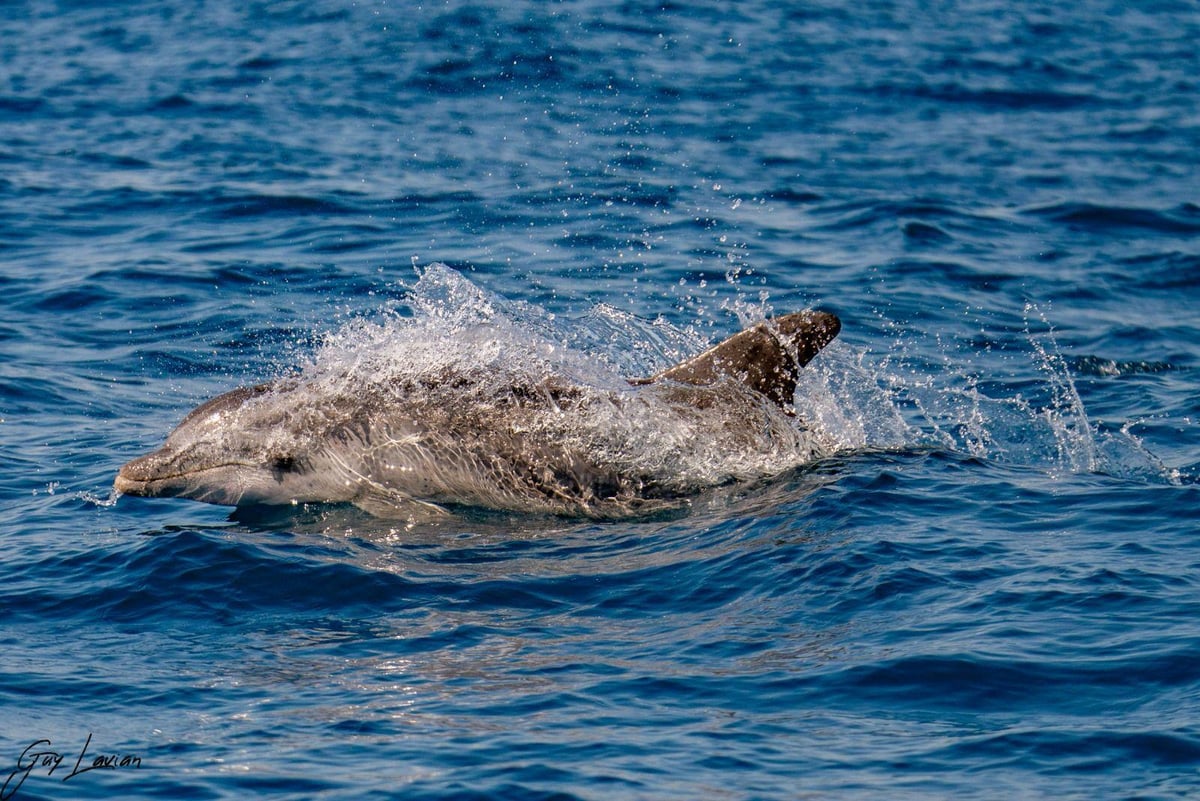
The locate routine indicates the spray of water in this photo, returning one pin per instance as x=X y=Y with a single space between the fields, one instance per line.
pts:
x=907 y=399
x=917 y=394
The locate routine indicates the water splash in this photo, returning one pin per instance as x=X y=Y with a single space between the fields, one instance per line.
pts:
x=1019 y=405
x=846 y=401
x=93 y=499
x=1021 y=408
x=1074 y=435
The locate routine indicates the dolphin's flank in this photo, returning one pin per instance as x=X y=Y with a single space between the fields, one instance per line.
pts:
x=413 y=445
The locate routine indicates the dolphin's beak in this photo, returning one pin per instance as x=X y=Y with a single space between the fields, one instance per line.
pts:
x=150 y=475
x=169 y=473
x=134 y=478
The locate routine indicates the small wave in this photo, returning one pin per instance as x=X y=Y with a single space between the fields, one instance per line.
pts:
x=21 y=105
x=924 y=233
x=173 y=103
x=74 y=299
x=262 y=62
x=793 y=195
x=1165 y=271
x=258 y=205
x=989 y=97
x=919 y=217
x=1084 y=751
x=1094 y=216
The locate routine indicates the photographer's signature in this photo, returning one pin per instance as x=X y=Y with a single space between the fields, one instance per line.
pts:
x=39 y=756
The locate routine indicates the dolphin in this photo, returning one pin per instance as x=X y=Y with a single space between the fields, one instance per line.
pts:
x=415 y=446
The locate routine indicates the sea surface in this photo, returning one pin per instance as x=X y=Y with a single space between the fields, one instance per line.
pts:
x=988 y=587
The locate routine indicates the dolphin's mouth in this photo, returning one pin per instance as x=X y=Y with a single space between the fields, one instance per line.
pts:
x=131 y=486
x=141 y=478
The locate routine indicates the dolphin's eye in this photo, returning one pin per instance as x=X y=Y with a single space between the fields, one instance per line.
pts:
x=283 y=464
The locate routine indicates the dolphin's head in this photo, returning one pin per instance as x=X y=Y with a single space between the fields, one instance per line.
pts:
x=236 y=449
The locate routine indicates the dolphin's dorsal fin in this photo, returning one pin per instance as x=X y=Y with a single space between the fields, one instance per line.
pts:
x=766 y=358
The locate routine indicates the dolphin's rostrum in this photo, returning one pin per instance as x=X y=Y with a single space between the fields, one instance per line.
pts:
x=413 y=445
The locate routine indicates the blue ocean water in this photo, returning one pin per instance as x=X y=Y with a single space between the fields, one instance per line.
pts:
x=989 y=590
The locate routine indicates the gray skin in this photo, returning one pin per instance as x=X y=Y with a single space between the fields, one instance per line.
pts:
x=411 y=448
